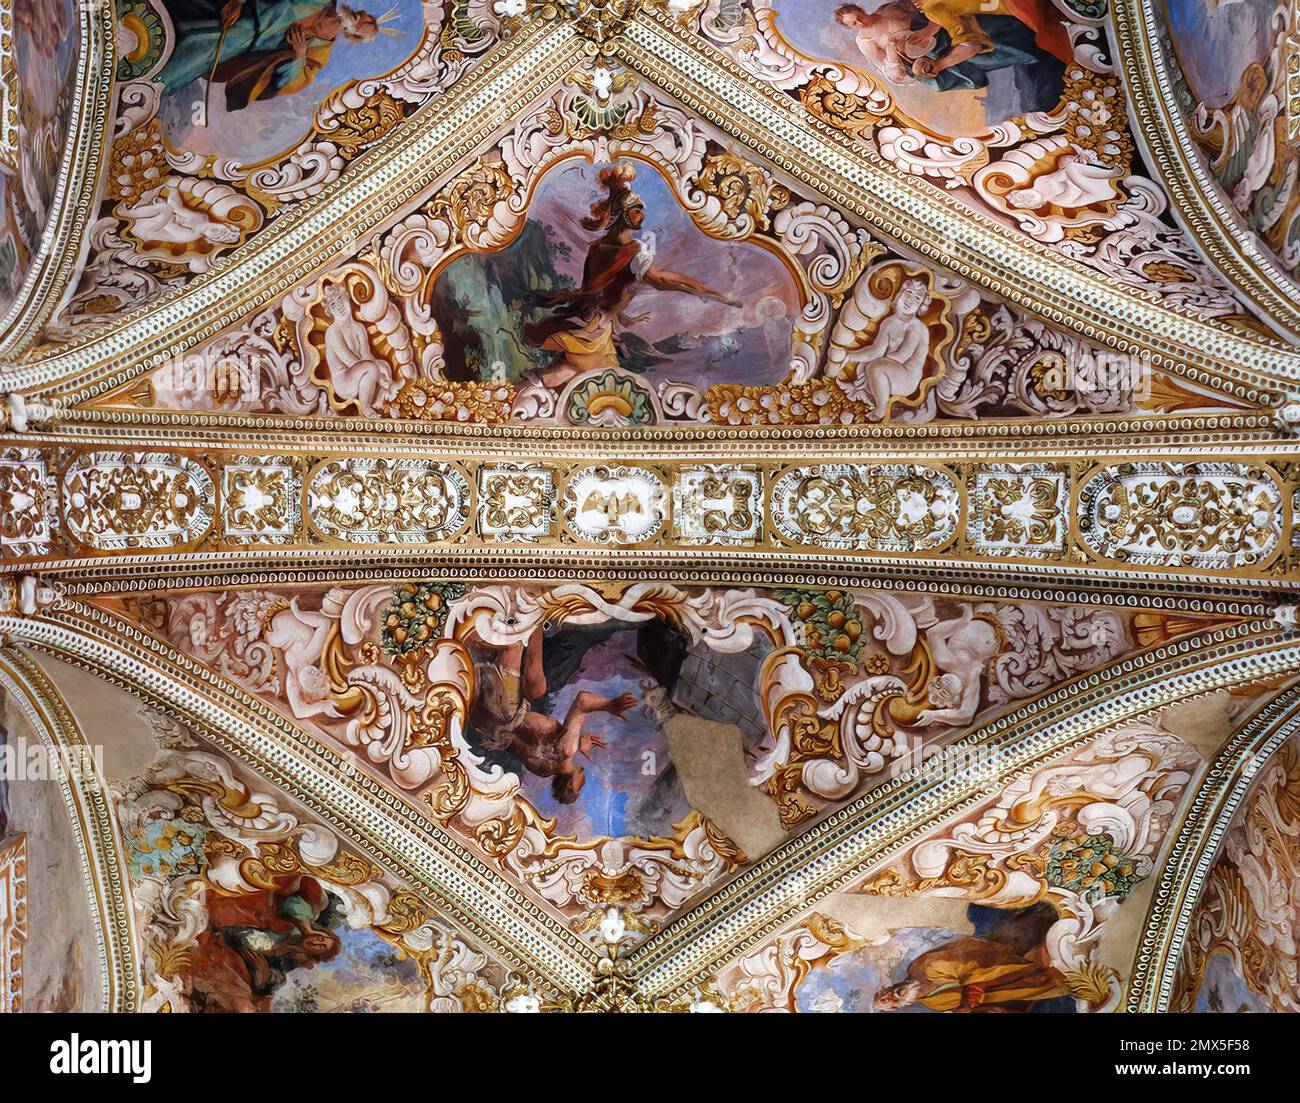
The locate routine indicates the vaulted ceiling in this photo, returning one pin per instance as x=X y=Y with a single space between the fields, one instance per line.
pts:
x=650 y=504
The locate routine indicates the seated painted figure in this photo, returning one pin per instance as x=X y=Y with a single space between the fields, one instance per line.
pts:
x=254 y=940
x=955 y=44
x=259 y=49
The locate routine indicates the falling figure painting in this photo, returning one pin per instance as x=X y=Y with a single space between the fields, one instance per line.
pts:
x=581 y=325
x=511 y=681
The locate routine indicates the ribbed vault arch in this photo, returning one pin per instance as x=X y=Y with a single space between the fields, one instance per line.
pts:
x=1197 y=200
x=671 y=964
x=94 y=825
x=392 y=832
x=62 y=247
x=1192 y=852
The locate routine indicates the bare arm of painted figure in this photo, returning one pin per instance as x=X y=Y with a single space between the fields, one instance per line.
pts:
x=675 y=281
x=575 y=740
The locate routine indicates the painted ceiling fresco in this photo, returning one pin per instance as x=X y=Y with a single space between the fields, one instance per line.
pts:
x=229 y=114
x=1009 y=908
x=1233 y=65
x=1015 y=107
x=39 y=45
x=653 y=505
x=654 y=736
x=245 y=906
x=1242 y=942
x=1005 y=910
x=481 y=306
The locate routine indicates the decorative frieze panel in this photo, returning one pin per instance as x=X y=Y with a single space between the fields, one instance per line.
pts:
x=28 y=503
x=370 y=501
x=896 y=507
x=1144 y=513
x=1209 y=515
x=614 y=505
x=718 y=504
x=119 y=501
x=261 y=501
x=516 y=502
x=1020 y=510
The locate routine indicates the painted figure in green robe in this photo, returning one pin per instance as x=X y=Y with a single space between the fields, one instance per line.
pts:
x=266 y=48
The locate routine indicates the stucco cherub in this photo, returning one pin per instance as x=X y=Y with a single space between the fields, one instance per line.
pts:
x=162 y=215
x=356 y=372
x=962 y=648
x=893 y=364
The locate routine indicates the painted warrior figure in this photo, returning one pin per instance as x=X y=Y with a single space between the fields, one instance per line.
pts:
x=260 y=49
x=581 y=325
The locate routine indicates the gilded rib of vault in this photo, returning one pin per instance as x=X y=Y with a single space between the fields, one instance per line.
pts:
x=650 y=504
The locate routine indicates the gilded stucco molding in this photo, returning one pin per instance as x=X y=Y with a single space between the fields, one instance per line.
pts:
x=1210 y=600
x=94 y=826
x=1197 y=200
x=397 y=834
x=696 y=565
x=56 y=266
x=131 y=428
x=848 y=843
x=1193 y=850
x=423 y=150
x=1165 y=515
x=388 y=829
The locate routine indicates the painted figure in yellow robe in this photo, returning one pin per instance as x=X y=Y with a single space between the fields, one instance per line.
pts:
x=975 y=974
x=955 y=44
